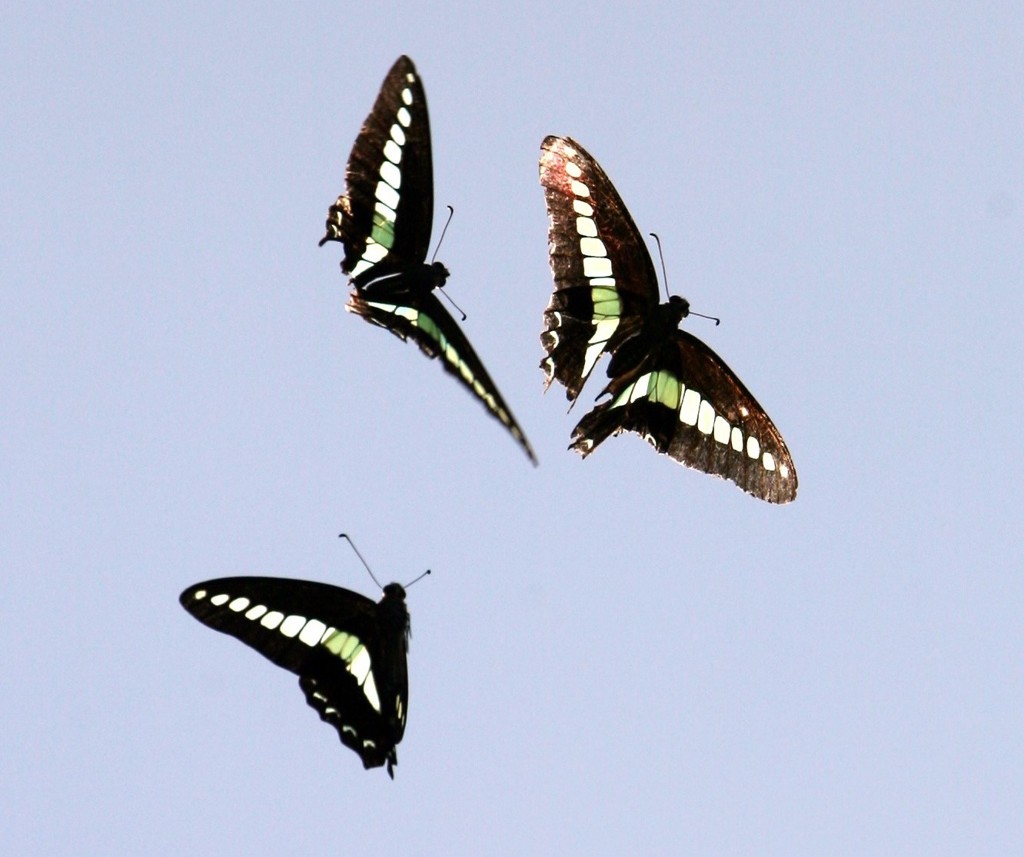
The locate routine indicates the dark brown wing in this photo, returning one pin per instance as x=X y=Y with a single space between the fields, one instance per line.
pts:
x=385 y=216
x=689 y=405
x=604 y=278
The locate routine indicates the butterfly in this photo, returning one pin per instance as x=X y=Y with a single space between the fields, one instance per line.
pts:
x=383 y=220
x=349 y=653
x=664 y=383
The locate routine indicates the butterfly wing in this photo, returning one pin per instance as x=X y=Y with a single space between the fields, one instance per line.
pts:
x=422 y=318
x=349 y=653
x=384 y=218
x=604 y=277
x=689 y=405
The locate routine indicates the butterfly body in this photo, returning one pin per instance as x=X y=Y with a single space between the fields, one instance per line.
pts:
x=663 y=383
x=384 y=220
x=350 y=653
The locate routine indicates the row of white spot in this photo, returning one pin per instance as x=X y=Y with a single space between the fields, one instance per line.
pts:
x=387 y=191
x=597 y=268
x=312 y=632
x=694 y=410
x=449 y=353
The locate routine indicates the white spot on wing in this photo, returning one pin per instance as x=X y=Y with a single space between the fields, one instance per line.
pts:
x=594 y=266
x=370 y=689
x=405 y=117
x=393 y=152
x=391 y=174
x=272 y=620
x=737 y=439
x=312 y=632
x=584 y=208
x=768 y=460
x=603 y=331
x=387 y=194
x=406 y=312
x=705 y=417
x=220 y=600
x=586 y=226
x=373 y=253
x=641 y=388
x=689 y=407
x=579 y=189
x=722 y=430
x=199 y=594
x=359 y=666
x=753 y=447
x=398 y=135
x=255 y=612
x=239 y=604
x=573 y=170
x=292 y=625
x=407 y=95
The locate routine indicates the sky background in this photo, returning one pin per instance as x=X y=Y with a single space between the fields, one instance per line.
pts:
x=616 y=656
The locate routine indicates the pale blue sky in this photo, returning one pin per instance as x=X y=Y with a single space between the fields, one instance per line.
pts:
x=612 y=656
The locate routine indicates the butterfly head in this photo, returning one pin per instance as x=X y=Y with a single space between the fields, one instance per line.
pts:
x=666 y=317
x=439 y=274
x=679 y=305
x=394 y=592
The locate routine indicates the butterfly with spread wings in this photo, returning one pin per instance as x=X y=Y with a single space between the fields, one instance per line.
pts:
x=664 y=383
x=383 y=220
x=349 y=653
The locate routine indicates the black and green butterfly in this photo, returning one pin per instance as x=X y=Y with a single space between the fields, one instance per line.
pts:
x=349 y=653
x=384 y=220
x=664 y=383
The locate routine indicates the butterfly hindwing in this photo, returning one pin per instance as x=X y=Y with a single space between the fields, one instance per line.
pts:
x=664 y=383
x=709 y=421
x=384 y=221
x=431 y=326
x=349 y=653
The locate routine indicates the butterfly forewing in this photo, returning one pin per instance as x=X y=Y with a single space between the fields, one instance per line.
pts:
x=385 y=215
x=349 y=653
x=604 y=278
x=664 y=384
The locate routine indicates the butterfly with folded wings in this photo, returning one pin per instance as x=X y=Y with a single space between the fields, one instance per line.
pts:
x=349 y=653
x=383 y=221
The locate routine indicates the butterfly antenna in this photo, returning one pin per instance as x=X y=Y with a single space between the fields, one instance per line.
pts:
x=457 y=307
x=664 y=279
x=451 y=214
x=661 y=256
x=715 y=319
x=414 y=580
x=363 y=561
